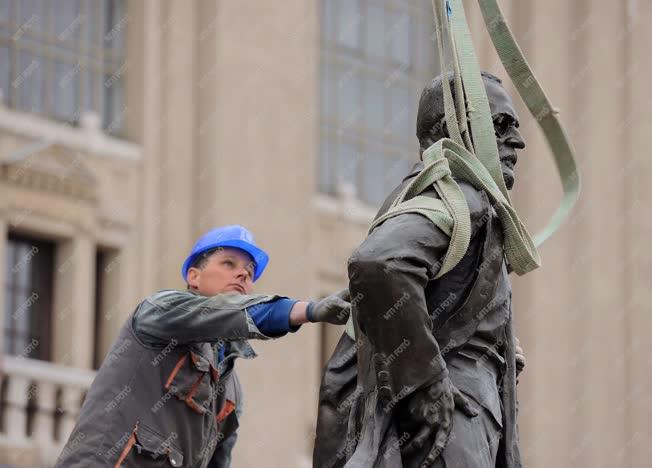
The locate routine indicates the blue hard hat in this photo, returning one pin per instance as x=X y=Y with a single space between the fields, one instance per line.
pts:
x=228 y=236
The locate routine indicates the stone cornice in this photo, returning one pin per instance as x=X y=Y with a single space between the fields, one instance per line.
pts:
x=89 y=139
x=52 y=169
x=42 y=181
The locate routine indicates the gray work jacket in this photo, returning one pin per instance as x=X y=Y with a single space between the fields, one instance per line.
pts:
x=160 y=397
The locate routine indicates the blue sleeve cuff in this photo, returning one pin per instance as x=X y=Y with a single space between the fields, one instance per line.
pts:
x=273 y=318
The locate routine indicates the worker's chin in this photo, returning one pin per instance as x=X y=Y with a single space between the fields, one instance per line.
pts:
x=207 y=291
x=234 y=290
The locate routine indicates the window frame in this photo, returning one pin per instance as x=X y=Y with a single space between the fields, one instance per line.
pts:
x=42 y=273
x=87 y=57
x=393 y=148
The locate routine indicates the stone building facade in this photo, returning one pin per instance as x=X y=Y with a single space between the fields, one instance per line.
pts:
x=127 y=129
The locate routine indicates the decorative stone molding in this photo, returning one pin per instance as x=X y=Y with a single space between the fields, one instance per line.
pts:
x=53 y=169
x=89 y=139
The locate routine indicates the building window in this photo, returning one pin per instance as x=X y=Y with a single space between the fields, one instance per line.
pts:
x=62 y=58
x=28 y=297
x=376 y=57
x=108 y=265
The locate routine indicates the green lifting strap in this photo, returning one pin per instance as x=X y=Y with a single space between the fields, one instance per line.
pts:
x=520 y=251
x=480 y=166
x=478 y=113
x=541 y=109
x=450 y=212
x=481 y=169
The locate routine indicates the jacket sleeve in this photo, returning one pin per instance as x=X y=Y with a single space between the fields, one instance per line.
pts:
x=388 y=274
x=189 y=318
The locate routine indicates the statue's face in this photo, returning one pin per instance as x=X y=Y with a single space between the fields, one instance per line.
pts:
x=506 y=125
x=505 y=122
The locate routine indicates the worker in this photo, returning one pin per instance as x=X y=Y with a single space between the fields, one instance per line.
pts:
x=167 y=393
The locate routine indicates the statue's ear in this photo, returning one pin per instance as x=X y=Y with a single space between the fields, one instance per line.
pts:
x=443 y=128
x=436 y=133
x=425 y=144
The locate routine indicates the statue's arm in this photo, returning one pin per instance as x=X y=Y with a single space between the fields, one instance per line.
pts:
x=388 y=274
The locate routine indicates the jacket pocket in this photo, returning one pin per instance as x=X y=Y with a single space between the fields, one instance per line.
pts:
x=192 y=379
x=147 y=448
x=476 y=382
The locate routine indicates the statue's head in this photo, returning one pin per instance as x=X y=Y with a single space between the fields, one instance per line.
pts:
x=431 y=120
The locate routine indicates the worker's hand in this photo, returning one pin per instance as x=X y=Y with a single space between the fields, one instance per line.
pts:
x=520 y=357
x=334 y=309
x=429 y=417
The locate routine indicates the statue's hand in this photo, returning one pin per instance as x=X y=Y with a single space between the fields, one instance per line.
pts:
x=430 y=417
x=520 y=357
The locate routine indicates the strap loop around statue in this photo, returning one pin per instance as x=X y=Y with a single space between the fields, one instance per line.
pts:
x=520 y=249
x=540 y=107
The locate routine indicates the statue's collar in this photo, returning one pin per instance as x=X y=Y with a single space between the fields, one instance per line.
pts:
x=418 y=167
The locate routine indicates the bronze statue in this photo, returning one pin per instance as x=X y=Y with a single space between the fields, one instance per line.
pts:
x=430 y=378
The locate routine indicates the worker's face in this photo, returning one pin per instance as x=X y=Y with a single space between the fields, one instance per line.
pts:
x=227 y=270
x=506 y=125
